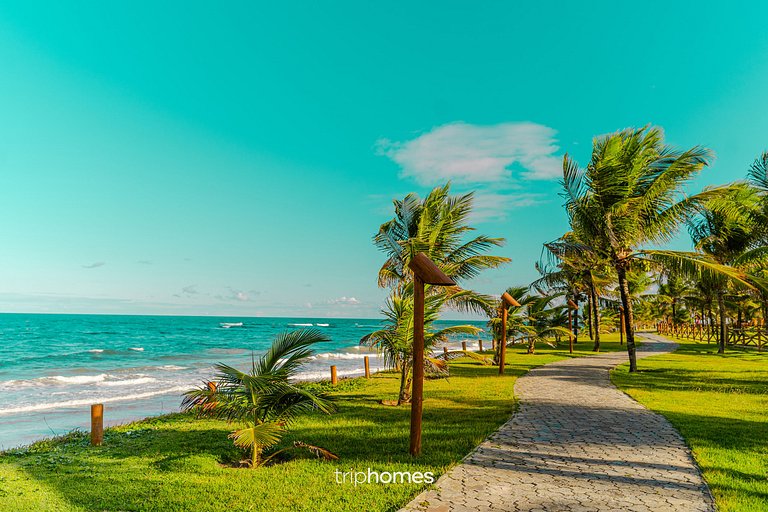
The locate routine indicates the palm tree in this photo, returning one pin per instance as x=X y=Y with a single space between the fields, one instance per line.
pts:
x=515 y=319
x=672 y=288
x=630 y=195
x=540 y=323
x=535 y=320
x=436 y=226
x=264 y=401
x=395 y=340
x=579 y=270
x=729 y=238
x=758 y=179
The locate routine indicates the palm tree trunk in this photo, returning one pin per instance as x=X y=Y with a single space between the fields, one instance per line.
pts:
x=674 y=310
x=531 y=345
x=255 y=455
x=721 y=308
x=596 y=323
x=576 y=319
x=765 y=307
x=589 y=316
x=626 y=301
x=404 y=396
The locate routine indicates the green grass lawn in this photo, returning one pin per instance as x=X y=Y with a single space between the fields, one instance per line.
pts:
x=719 y=403
x=173 y=463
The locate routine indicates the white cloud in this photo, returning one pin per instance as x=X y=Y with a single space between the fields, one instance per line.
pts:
x=466 y=153
x=349 y=301
x=497 y=206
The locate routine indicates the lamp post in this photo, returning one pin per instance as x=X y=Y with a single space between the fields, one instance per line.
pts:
x=506 y=301
x=571 y=307
x=424 y=272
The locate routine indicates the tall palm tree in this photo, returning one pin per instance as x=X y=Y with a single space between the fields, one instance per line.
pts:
x=395 y=340
x=758 y=179
x=631 y=195
x=438 y=227
x=729 y=238
x=579 y=269
x=263 y=401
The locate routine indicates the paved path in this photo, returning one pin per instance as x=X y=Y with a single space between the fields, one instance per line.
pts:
x=576 y=444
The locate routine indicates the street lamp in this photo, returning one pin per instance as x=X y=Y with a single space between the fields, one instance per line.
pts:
x=506 y=301
x=424 y=272
x=571 y=307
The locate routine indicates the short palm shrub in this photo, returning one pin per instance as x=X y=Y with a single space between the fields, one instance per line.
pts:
x=264 y=401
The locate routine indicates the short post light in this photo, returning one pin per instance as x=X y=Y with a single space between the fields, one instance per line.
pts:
x=507 y=301
x=424 y=272
x=571 y=307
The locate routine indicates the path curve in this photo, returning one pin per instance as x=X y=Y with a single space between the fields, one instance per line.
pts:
x=576 y=444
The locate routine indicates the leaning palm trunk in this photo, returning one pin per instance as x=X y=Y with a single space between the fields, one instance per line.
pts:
x=626 y=301
x=589 y=316
x=404 y=396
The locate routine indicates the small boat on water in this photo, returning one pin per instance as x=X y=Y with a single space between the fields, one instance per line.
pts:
x=227 y=325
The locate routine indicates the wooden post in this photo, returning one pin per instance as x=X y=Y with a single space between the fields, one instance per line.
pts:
x=367 y=367
x=97 y=424
x=417 y=396
x=424 y=272
x=334 y=378
x=464 y=346
x=480 y=344
x=503 y=351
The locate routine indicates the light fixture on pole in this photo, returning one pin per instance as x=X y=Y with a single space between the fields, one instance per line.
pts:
x=571 y=307
x=424 y=272
x=506 y=302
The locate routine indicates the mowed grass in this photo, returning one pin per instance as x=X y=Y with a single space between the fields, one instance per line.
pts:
x=719 y=403
x=174 y=462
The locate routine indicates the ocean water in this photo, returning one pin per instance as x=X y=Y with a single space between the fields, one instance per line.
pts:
x=53 y=367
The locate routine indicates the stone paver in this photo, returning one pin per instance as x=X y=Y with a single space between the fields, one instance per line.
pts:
x=576 y=444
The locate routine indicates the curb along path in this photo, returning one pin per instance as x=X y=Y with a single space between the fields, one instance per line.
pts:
x=576 y=444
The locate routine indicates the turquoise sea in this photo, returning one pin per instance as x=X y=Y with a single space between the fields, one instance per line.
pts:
x=52 y=367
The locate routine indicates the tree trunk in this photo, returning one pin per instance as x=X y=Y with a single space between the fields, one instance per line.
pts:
x=674 y=311
x=531 y=345
x=721 y=308
x=589 y=316
x=626 y=301
x=596 y=323
x=576 y=319
x=404 y=397
x=255 y=455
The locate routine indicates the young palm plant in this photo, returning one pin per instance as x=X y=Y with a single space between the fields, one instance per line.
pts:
x=395 y=340
x=264 y=401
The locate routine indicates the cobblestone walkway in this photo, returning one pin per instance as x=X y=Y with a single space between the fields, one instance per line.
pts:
x=576 y=444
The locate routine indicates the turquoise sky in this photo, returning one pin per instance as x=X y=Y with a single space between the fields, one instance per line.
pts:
x=235 y=158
